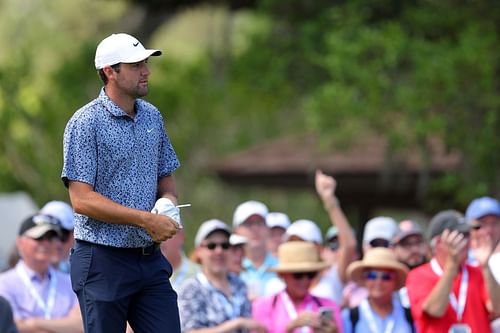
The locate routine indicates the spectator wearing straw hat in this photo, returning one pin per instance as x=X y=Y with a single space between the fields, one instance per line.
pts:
x=294 y=309
x=382 y=275
x=215 y=298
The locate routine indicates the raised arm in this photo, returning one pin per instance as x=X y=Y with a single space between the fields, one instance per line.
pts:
x=325 y=187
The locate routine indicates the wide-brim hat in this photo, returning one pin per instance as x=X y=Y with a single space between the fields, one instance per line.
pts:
x=298 y=256
x=381 y=258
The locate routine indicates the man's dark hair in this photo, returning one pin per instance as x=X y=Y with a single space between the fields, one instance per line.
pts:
x=103 y=76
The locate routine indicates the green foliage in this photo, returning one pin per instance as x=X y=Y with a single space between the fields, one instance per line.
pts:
x=412 y=70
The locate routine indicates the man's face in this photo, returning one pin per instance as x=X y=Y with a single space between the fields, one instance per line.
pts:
x=132 y=79
x=38 y=253
x=489 y=225
x=255 y=230
x=412 y=251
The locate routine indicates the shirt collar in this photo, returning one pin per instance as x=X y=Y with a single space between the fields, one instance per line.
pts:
x=32 y=275
x=113 y=108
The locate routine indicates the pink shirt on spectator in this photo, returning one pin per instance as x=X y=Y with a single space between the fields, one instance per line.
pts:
x=271 y=311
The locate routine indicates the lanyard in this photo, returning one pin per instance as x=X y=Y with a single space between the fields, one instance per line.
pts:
x=459 y=306
x=46 y=307
x=368 y=314
x=230 y=308
x=290 y=309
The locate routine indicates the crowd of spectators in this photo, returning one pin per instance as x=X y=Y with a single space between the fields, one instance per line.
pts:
x=266 y=273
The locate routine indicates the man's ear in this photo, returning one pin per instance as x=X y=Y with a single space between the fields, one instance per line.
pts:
x=108 y=71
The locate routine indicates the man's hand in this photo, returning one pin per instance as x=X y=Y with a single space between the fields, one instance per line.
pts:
x=483 y=248
x=456 y=245
x=161 y=227
x=250 y=325
x=325 y=187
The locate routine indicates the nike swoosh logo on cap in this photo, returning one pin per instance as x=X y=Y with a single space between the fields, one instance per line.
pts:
x=135 y=44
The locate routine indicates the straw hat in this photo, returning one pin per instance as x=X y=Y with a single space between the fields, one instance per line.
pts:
x=378 y=257
x=298 y=256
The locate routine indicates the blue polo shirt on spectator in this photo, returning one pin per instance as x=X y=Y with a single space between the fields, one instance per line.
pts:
x=119 y=156
x=257 y=279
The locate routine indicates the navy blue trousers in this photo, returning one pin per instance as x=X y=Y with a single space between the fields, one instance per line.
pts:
x=116 y=285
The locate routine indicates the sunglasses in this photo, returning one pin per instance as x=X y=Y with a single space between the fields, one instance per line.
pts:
x=301 y=275
x=379 y=242
x=212 y=246
x=333 y=245
x=384 y=276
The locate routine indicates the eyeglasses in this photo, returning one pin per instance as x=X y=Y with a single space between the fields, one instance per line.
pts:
x=212 y=246
x=384 y=276
x=301 y=275
x=379 y=242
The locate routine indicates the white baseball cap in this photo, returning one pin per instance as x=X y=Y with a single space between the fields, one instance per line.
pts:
x=208 y=227
x=119 y=48
x=380 y=227
x=277 y=220
x=247 y=209
x=61 y=211
x=236 y=240
x=306 y=230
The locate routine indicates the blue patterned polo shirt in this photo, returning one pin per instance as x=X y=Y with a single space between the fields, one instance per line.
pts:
x=122 y=158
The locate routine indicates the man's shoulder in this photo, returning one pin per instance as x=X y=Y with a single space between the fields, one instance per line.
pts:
x=419 y=274
x=86 y=112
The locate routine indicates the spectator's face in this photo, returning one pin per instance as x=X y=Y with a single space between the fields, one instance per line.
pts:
x=236 y=254
x=275 y=238
x=255 y=230
x=412 y=251
x=380 y=283
x=38 y=253
x=298 y=283
x=213 y=253
x=489 y=225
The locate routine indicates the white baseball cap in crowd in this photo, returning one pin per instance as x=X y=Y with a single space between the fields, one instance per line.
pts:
x=382 y=227
x=208 y=227
x=248 y=209
x=306 y=230
x=236 y=240
x=277 y=220
x=121 y=48
x=61 y=211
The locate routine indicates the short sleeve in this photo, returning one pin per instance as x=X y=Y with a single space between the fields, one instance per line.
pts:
x=168 y=161
x=79 y=150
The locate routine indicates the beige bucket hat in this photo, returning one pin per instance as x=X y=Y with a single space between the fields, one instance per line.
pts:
x=298 y=256
x=378 y=257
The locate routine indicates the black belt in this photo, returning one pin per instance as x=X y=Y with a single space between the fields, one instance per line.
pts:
x=148 y=250
x=145 y=250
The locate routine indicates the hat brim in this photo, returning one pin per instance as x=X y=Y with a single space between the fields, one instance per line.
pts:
x=299 y=267
x=356 y=269
x=40 y=230
x=404 y=235
x=140 y=56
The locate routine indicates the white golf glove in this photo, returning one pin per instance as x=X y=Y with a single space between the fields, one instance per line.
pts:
x=166 y=207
